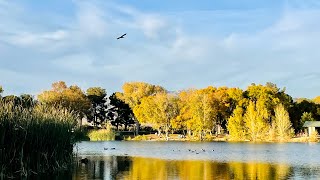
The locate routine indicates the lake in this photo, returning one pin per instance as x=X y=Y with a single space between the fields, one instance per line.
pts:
x=197 y=160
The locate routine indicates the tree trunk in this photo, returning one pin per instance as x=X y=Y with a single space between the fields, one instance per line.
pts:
x=167 y=133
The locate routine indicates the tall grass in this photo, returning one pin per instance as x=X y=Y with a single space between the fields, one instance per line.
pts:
x=35 y=140
x=102 y=134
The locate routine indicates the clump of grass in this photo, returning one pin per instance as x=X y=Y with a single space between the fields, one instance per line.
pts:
x=35 y=140
x=102 y=134
x=140 y=138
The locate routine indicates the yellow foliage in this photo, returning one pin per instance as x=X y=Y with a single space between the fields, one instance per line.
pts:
x=71 y=98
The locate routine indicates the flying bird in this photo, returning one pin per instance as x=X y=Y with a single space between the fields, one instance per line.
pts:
x=122 y=36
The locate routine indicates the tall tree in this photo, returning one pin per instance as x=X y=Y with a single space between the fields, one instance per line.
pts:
x=183 y=120
x=236 y=125
x=120 y=113
x=98 y=110
x=159 y=110
x=203 y=112
x=283 y=127
x=255 y=120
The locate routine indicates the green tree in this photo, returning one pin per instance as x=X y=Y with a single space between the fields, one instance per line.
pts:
x=27 y=100
x=236 y=125
x=15 y=100
x=283 y=127
x=306 y=116
x=120 y=113
x=1 y=90
x=297 y=110
x=98 y=110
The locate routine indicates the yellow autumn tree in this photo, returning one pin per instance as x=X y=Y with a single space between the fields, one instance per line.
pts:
x=236 y=125
x=133 y=92
x=203 y=112
x=183 y=120
x=159 y=111
x=72 y=98
x=283 y=127
x=255 y=120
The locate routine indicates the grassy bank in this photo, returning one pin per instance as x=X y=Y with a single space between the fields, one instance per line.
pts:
x=33 y=141
x=225 y=138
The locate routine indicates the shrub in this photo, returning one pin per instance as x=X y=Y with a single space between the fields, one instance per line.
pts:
x=102 y=134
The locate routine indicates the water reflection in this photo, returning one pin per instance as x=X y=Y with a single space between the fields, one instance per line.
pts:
x=122 y=167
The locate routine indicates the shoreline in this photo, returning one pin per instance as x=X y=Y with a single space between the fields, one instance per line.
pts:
x=219 y=138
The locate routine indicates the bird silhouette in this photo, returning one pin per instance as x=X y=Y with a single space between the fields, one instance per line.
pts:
x=122 y=36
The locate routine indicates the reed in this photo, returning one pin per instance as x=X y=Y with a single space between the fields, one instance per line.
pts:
x=102 y=134
x=35 y=140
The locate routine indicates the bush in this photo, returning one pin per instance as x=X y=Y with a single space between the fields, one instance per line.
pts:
x=314 y=137
x=102 y=134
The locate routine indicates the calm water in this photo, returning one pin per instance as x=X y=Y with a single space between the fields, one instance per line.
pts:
x=187 y=160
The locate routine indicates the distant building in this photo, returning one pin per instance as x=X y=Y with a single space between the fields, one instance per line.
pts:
x=312 y=126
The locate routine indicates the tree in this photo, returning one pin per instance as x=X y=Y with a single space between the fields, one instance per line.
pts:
x=1 y=90
x=316 y=100
x=202 y=103
x=283 y=127
x=236 y=125
x=306 y=116
x=159 y=110
x=71 y=98
x=24 y=100
x=133 y=92
x=120 y=113
x=183 y=120
x=15 y=100
x=255 y=120
x=297 y=110
x=98 y=110
x=27 y=100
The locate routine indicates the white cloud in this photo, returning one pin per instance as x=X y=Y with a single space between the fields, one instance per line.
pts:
x=82 y=49
x=37 y=39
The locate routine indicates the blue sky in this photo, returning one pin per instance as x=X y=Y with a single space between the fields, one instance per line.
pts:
x=177 y=44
